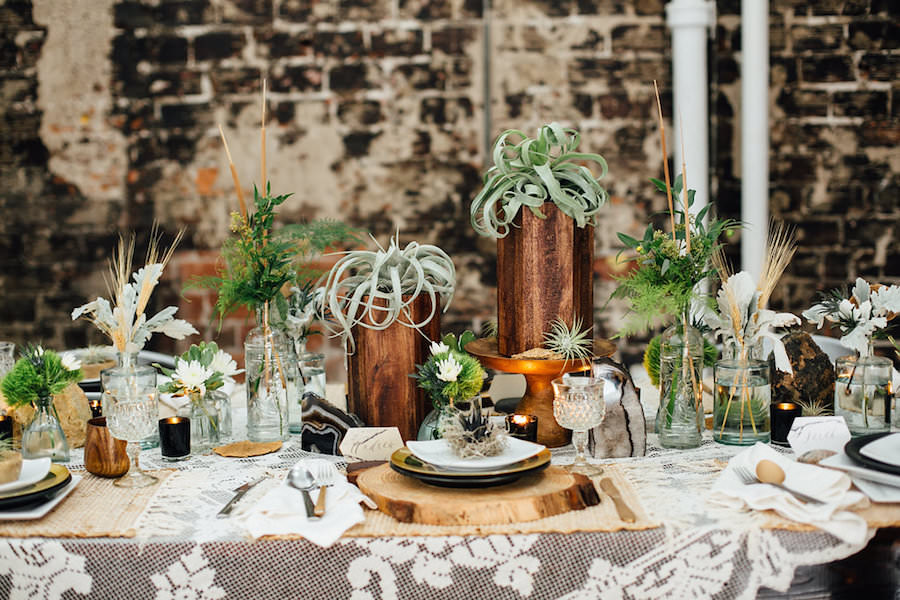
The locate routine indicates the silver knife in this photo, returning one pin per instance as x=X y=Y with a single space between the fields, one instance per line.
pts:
x=610 y=489
x=241 y=490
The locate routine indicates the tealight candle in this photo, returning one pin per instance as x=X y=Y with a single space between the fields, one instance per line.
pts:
x=6 y=427
x=175 y=438
x=783 y=415
x=96 y=408
x=523 y=427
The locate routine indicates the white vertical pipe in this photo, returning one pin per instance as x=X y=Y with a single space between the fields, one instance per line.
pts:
x=754 y=132
x=691 y=22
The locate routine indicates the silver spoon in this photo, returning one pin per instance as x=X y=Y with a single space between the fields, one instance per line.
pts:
x=299 y=477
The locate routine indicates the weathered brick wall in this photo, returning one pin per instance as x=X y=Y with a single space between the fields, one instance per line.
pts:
x=377 y=115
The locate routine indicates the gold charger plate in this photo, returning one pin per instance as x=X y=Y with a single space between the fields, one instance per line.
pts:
x=406 y=463
x=46 y=488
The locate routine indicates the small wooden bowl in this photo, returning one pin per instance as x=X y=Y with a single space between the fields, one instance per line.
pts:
x=104 y=455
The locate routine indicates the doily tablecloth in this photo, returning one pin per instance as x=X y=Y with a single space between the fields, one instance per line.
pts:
x=182 y=551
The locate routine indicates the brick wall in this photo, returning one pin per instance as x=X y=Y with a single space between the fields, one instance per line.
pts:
x=378 y=114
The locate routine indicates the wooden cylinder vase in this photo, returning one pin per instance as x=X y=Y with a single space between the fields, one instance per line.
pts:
x=380 y=389
x=544 y=271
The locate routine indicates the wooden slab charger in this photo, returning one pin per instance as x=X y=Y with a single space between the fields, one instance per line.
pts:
x=545 y=494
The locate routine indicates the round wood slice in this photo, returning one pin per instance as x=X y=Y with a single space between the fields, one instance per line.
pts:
x=545 y=494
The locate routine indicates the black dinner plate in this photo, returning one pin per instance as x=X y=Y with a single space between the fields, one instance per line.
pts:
x=404 y=462
x=854 y=446
x=45 y=489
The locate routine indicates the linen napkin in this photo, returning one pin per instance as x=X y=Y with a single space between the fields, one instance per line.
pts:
x=830 y=486
x=280 y=512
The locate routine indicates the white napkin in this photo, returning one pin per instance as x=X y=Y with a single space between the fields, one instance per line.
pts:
x=830 y=486
x=281 y=512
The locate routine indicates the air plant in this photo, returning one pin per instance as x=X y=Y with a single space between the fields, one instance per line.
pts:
x=126 y=322
x=743 y=322
x=572 y=343
x=375 y=289
x=537 y=170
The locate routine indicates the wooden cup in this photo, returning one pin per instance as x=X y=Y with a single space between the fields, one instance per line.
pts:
x=104 y=455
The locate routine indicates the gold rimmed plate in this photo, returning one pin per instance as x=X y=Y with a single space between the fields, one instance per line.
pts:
x=45 y=489
x=405 y=462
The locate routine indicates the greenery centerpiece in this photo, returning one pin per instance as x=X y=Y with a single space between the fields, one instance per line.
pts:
x=35 y=378
x=862 y=390
x=742 y=321
x=198 y=373
x=385 y=305
x=544 y=253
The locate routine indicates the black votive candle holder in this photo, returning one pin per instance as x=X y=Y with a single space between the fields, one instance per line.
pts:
x=96 y=408
x=783 y=415
x=6 y=427
x=175 y=438
x=523 y=427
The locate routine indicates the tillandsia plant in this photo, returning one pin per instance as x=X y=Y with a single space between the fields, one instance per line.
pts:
x=531 y=171
x=125 y=321
x=376 y=289
x=204 y=367
x=861 y=315
x=303 y=304
x=39 y=375
x=571 y=343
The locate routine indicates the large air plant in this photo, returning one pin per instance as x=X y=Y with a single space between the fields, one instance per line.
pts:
x=534 y=171
x=375 y=289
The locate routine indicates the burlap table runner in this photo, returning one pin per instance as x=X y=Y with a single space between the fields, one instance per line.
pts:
x=95 y=508
x=602 y=517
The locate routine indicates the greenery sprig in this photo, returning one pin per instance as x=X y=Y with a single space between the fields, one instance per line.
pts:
x=534 y=171
x=260 y=260
x=39 y=374
x=668 y=269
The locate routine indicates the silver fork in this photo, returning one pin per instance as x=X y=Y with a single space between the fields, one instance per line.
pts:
x=326 y=474
x=748 y=477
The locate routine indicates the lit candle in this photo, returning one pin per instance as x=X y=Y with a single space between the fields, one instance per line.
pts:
x=783 y=415
x=6 y=427
x=96 y=408
x=175 y=438
x=523 y=427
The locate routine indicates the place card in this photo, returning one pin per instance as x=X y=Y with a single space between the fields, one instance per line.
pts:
x=371 y=443
x=818 y=433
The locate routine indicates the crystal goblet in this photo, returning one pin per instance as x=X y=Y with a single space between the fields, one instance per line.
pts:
x=578 y=404
x=132 y=412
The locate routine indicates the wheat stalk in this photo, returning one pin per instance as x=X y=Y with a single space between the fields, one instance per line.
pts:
x=662 y=133
x=780 y=248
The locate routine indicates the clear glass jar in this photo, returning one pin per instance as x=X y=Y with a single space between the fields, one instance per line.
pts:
x=44 y=435
x=203 y=412
x=311 y=366
x=679 y=420
x=741 y=405
x=272 y=381
x=863 y=393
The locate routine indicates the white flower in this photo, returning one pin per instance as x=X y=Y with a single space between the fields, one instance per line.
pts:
x=70 y=362
x=224 y=364
x=192 y=375
x=439 y=347
x=39 y=351
x=448 y=369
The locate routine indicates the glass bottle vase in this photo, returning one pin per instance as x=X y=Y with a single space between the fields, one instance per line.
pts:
x=203 y=411
x=44 y=436
x=863 y=393
x=679 y=419
x=272 y=382
x=741 y=405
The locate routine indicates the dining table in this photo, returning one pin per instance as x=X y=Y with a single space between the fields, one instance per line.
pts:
x=166 y=541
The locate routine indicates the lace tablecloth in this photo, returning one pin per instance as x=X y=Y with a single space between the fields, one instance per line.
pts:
x=182 y=551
